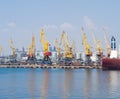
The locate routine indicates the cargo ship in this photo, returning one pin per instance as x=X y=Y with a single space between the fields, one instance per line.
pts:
x=112 y=62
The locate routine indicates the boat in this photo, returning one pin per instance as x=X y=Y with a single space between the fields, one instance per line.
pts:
x=112 y=62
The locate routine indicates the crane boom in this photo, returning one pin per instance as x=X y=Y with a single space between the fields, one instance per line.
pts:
x=86 y=44
x=42 y=36
x=97 y=44
x=1 y=49
x=67 y=48
x=12 y=47
x=99 y=48
x=32 y=47
x=57 y=47
x=94 y=39
x=74 y=46
x=106 y=42
x=44 y=42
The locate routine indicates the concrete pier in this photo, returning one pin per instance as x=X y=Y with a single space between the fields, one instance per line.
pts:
x=53 y=66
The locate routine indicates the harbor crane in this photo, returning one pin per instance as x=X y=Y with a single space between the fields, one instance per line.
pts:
x=87 y=47
x=58 y=49
x=14 y=55
x=68 y=51
x=107 y=44
x=1 y=49
x=31 y=51
x=67 y=47
x=45 y=44
x=98 y=48
x=59 y=52
x=12 y=48
x=74 y=47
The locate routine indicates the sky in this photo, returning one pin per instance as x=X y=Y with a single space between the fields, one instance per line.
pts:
x=19 y=19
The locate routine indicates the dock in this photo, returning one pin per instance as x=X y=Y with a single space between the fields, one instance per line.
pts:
x=50 y=67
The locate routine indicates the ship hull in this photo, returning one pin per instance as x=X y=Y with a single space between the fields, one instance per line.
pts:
x=113 y=64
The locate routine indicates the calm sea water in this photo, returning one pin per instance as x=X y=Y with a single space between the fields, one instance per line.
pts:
x=21 y=83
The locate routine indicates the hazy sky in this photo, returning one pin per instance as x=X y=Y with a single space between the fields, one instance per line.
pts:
x=20 y=19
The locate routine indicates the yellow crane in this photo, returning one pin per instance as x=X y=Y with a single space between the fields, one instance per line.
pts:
x=107 y=44
x=12 y=47
x=97 y=44
x=86 y=44
x=57 y=47
x=74 y=47
x=99 y=48
x=1 y=49
x=67 y=47
x=45 y=44
x=31 y=51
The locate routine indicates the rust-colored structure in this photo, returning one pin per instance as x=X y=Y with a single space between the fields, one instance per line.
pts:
x=111 y=63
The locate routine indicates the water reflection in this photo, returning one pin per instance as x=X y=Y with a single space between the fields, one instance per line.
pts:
x=32 y=84
x=114 y=83
x=87 y=83
x=59 y=84
x=68 y=83
x=45 y=85
x=12 y=83
x=114 y=79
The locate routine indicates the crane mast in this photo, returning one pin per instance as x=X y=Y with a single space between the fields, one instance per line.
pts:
x=31 y=52
x=1 y=49
x=107 y=44
x=67 y=48
x=87 y=47
x=68 y=51
x=99 y=48
x=94 y=40
x=97 y=44
x=73 y=47
x=86 y=44
x=57 y=47
x=12 y=47
x=45 y=44
x=32 y=47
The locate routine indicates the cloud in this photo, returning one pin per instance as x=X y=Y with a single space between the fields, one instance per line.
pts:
x=8 y=27
x=89 y=23
x=66 y=26
x=50 y=27
x=11 y=25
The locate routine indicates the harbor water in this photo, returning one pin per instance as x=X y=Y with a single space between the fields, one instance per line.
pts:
x=29 y=83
